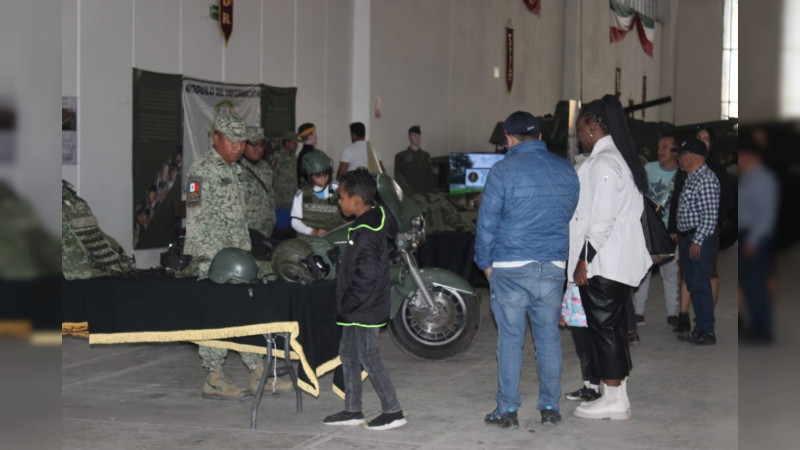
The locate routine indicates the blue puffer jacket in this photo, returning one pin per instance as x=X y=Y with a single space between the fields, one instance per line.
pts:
x=527 y=203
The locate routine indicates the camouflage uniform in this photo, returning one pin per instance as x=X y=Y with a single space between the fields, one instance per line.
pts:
x=215 y=218
x=441 y=214
x=215 y=210
x=259 y=194
x=413 y=172
x=284 y=181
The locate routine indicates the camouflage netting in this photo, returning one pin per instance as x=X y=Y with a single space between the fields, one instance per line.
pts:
x=441 y=214
x=27 y=250
x=86 y=251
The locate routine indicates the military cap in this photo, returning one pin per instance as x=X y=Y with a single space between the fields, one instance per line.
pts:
x=290 y=136
x=231 y=125
x=255 y=134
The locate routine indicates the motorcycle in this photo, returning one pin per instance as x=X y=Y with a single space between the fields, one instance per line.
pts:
x=434 y=313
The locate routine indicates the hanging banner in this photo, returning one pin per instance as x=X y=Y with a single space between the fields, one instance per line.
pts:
x=277 y=106
x=509 y=57
x=156 y=157
x=202 y=99
x=226 y=19
x=535 y=6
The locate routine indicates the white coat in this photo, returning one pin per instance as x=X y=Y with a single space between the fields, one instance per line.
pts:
x=608 y=216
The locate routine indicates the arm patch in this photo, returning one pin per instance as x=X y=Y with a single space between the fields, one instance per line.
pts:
x=193 y=192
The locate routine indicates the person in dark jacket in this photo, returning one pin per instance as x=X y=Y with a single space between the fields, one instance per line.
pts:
x=522 y=246
x=363 y=301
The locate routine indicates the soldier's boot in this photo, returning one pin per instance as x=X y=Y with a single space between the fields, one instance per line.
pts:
x=281 y=385
x=217 y=387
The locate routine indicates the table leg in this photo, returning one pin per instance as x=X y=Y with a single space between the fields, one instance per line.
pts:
x=261 y=383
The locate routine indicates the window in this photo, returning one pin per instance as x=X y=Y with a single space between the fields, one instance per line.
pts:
x=730 y=60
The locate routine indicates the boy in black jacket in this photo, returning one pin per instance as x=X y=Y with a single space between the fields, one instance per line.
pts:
x=363 y=300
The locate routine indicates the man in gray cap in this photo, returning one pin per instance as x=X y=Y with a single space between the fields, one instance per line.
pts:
x=257 y=179
x=215 y=219
x=412 y=166
x=284 y=170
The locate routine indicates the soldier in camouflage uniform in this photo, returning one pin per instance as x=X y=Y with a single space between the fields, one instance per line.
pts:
x=215 y=219
x=315 y=209
x=284 y=168
x=412 y=166
x=259 y=196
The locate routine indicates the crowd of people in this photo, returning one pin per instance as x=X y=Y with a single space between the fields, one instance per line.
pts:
x=565 y=246
x=545 y=228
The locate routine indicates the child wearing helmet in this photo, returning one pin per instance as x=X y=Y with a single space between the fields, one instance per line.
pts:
x=314 y=209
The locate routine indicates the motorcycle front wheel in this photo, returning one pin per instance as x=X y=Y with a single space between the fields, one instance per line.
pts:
x=440 y=334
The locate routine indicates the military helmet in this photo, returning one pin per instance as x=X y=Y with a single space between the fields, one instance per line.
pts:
x=233 y=264
x=294 y=260
x=315 y=162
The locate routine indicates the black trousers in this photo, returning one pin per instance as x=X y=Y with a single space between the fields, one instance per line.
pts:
x=583 y=344
x=605 y=302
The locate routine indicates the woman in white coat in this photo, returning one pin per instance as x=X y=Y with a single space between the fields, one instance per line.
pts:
x=608 y=255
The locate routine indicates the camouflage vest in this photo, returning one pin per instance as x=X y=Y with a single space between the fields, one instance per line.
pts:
x=319 y=213
x=87 y=252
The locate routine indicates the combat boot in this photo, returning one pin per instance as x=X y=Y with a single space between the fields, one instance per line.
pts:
x=217 y=387
x=280 y=386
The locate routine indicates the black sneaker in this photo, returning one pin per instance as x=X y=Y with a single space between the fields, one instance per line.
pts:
x=387 y=421
x=584 y=394
x=640 y=320
x=703 y=339
x=672 y=321
x=684 y=324
x=633 y=338
x=506 y=419
x=344 y=418
x=550 y=417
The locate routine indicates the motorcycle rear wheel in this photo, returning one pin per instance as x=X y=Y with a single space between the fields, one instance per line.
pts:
x=436 y=336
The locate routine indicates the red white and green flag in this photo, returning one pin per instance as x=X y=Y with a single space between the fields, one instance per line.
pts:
x=624 y=18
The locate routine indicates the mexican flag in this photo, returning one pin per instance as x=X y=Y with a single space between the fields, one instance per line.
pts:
x=624 y=18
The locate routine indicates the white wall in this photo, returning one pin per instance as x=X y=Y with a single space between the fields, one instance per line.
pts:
x=431 y=62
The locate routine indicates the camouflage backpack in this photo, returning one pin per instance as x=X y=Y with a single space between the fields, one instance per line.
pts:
x=86 y=251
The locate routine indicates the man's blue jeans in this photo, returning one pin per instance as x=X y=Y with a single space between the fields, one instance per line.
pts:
x=532 y=291
x=698 y=281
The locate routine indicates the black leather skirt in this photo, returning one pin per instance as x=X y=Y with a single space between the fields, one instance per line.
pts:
x=604 y=301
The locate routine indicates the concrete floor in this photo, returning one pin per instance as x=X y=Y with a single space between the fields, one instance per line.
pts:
x=148 y=396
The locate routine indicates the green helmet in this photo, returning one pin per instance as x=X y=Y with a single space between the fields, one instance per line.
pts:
x=294 y=260
x=233 y=264
x=315 y=162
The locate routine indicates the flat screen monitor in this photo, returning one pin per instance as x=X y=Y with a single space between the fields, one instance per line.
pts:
x=468 y=171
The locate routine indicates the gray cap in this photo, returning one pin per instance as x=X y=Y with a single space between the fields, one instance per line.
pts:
x=255 y=134
x=231 y=125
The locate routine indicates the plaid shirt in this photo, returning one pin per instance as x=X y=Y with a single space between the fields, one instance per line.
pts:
x=698 y=204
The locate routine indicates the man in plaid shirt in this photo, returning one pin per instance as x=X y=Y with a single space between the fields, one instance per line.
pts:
x=697 y=220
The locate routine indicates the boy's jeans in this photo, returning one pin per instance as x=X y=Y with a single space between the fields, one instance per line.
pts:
x=535 y=291
x=359 y=347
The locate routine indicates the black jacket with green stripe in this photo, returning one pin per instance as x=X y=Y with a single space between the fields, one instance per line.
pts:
x=362 y=281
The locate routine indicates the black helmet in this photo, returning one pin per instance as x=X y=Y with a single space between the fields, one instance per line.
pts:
x=315 y=162
x=233 y=264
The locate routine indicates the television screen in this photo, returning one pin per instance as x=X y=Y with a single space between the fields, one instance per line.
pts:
x=468 y=171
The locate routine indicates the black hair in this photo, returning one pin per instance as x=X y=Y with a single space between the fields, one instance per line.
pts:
x=675 y=142
x=358 y=129
x=608 y=115
x=361 y=183
x=713 y=149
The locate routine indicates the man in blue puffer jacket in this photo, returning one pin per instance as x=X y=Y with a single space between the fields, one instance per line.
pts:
x=522 y=245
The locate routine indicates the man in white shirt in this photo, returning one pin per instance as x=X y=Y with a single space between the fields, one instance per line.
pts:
x=355 y=154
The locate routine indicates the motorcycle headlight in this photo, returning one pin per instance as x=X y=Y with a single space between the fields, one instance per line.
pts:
x=417 y=223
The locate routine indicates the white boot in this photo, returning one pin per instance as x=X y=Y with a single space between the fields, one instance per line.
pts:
x=613 y=405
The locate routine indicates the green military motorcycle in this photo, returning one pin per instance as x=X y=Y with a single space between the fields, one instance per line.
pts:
x=434 y=312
